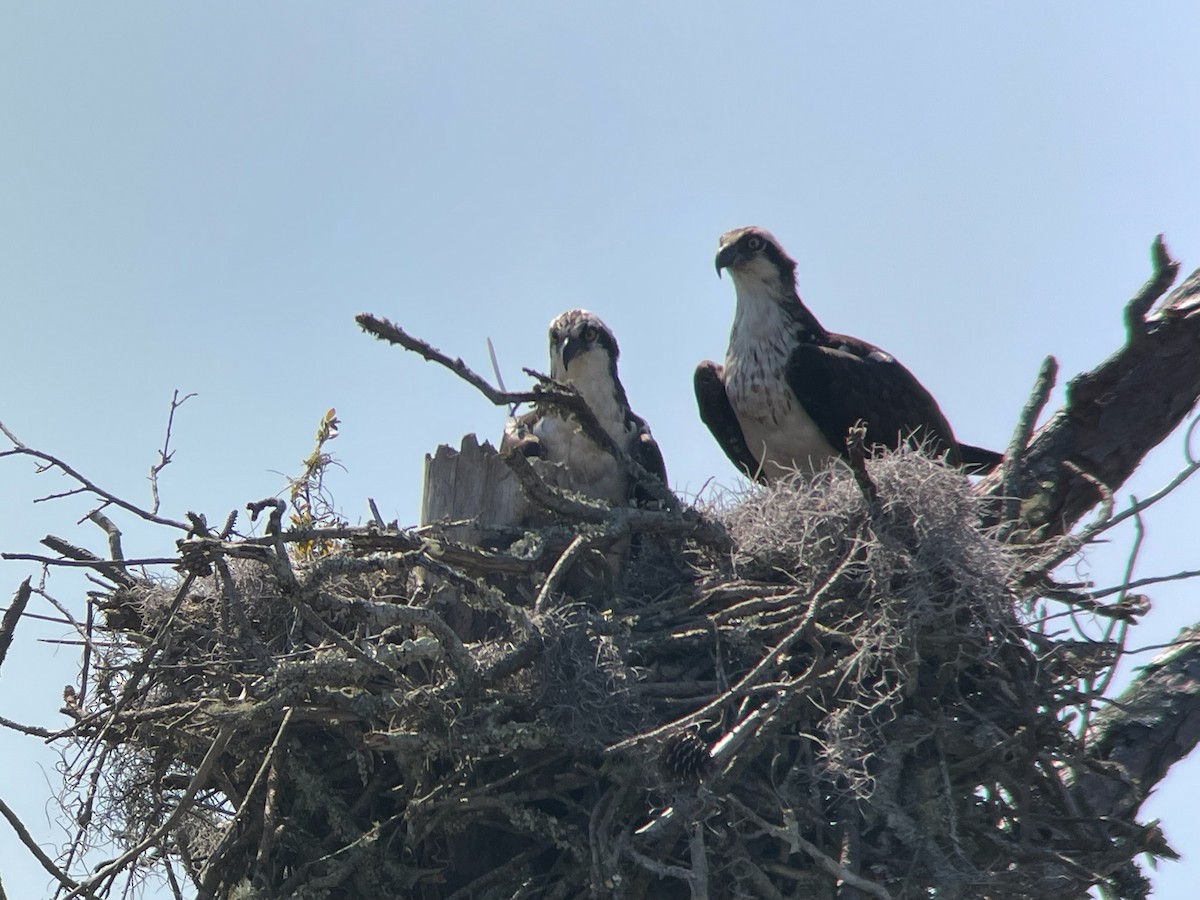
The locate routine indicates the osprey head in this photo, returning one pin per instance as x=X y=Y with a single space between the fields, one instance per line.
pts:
x=574 y=337
x=751 y=254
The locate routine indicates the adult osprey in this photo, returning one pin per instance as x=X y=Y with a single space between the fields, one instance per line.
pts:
x=790 y=390
x=583 y=353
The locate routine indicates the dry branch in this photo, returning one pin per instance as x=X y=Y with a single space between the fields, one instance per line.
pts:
x=1145 y=731
x=86 y=486
x=1116 y=413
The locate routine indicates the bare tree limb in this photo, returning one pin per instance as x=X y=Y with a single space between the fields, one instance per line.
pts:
x=32 y=730
x=394 y=334
x=101 y=565
x=1115 y=414
x=1145 y=731
x=86 y=485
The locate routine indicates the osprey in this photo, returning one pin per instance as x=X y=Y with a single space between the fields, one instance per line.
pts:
x=583 y=354
x=790 y=390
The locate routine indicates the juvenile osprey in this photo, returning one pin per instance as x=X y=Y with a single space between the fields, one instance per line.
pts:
x=583 y=353
x=790 y=390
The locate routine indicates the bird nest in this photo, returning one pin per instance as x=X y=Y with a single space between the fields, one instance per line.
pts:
x=826 y=685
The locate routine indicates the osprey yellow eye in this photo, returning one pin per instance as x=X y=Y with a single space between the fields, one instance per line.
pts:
x=755 y=242
x=589 y=333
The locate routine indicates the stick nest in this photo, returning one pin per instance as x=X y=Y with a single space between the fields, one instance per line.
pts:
x=842 y=695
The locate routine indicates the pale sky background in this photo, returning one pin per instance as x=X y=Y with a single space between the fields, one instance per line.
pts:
x=202 y=196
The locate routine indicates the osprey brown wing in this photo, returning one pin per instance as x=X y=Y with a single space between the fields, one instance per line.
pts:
x=717 y=413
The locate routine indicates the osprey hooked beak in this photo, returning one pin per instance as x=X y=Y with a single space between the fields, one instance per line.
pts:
x=571 y=348
x=730 y=255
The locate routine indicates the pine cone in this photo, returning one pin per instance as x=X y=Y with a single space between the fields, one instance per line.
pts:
x=685 y=756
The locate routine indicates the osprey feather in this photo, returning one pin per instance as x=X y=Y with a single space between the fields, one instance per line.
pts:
x=790 y=390
x=583 y=354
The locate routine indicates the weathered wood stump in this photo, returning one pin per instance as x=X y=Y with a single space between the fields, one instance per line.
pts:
x=472 y=486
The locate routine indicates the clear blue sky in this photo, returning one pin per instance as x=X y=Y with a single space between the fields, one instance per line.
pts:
x=202 y=196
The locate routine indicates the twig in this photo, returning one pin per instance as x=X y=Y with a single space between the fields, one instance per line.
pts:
x=1187 y=441
x=334 y=636
x=477 y=887
x=1143 y=582
x=850 y=857
x=722 y=751
x=16 y=442
x=1010 y=467
x=275 y=521
x=164 y=455
x=512 y=409
x=172 y=879
x=87 y=485
x=1136 y=508
x=31 y=730
x=1121 y=626
x=85 y=668
x=113 y=571
x=1130 y=607
x=54 y=620
x=762 y=884
x=662 y=870
x=270 y=817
